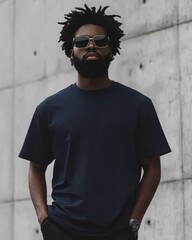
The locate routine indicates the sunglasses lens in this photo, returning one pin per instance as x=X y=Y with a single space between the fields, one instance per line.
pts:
x=81 y=42
x=101 y=41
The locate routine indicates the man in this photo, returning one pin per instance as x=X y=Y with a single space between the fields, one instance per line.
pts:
x=100 y=134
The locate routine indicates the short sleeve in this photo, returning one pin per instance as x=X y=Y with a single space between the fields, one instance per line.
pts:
x=151 y=139
x=37 y=146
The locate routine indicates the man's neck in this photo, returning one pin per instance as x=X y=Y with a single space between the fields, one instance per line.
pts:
x=93 y=84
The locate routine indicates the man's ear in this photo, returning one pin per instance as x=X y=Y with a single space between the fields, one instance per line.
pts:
x=111 y=55
x=71 y=58
x=71 y=51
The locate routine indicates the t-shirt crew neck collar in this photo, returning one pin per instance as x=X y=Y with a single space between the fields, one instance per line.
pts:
x=102 y=90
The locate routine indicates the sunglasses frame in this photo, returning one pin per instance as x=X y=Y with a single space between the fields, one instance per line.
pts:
x=92 y=40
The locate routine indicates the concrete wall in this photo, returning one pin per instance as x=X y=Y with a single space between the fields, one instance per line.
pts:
x=156 y=59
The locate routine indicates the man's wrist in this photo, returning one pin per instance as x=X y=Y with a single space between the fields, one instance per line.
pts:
x=42 y=217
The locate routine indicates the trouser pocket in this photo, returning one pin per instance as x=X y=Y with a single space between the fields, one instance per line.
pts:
x=51 y=231
x=124 y=235
x=44 y=223
x=135 y=235
x=44 y=227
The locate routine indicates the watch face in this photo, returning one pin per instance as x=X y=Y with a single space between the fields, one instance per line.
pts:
x=134 y=225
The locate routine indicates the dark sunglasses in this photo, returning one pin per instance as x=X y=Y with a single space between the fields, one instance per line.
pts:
x=100 y=41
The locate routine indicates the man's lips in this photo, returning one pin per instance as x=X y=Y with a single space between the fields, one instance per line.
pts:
x=92 y=56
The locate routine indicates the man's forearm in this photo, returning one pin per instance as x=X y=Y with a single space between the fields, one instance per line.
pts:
x=38 y=190
x=147 y=187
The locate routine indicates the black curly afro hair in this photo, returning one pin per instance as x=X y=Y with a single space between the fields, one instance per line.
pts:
x=81 y=16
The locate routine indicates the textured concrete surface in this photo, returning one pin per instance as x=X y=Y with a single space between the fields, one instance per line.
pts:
x=156 y=59
x=185 y=35
x=6 y=43
x=165 y=219
x=27 y=97
x=6 y=169
x=139 y=16
x=185 y=10
x=25 y=223
x=29 y=40
x=6 y=221
x=187 y=208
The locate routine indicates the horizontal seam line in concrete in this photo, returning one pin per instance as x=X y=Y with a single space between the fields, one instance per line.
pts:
x=36 y=80
x=6 y=88
x=156 y=30
x=176 y=180
x=18 y=200
x=7 y=201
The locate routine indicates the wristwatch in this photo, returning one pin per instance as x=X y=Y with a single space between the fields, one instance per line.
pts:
x=134 y=225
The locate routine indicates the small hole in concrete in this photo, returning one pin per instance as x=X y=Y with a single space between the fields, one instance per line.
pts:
x=34 y=53
x=141 y=66
x=144 y=1
x=149 y=222
x=36 y=230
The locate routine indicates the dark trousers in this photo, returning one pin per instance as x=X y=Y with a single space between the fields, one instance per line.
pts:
x=51 y=231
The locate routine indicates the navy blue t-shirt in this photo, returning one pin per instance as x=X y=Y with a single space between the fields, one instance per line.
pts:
x=97 y=139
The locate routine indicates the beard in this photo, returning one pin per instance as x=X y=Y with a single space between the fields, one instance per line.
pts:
x=92 y=68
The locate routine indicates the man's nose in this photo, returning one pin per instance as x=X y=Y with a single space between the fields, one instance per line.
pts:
x=91 y=44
